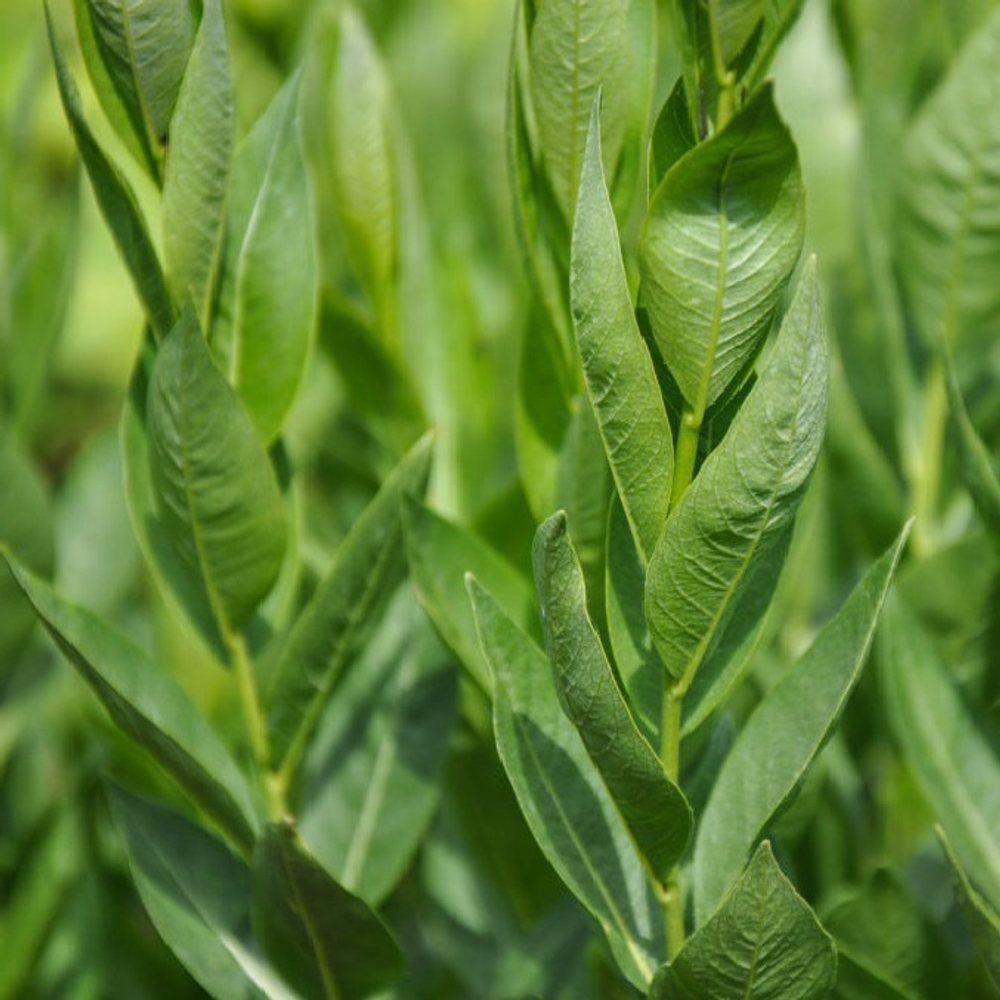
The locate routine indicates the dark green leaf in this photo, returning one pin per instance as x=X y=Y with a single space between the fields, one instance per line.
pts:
x=763 y=943
x=672 y=137
x=735 y=21
x=323 y=939
x=784 y=734
x=719 y=245
x=654 y=809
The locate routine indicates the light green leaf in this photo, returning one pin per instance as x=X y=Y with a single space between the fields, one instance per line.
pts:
x=735 y=21
x=719 y=245
x=341 y=613
x=948 y=222
x=655 y=811
x=576 y=48
x=117 y=202
x=149 y=707
x=323 y=939
x=779 y=16
x=267 y=304
x=621 y=381
x=196 y=177
x=784 y=734
x=718 y=559
x=563 y=798
x=440 y=553
x=763 y=943
x=218 y=500
x=26 y=529
x=370 y=781
x=197 y=894
x=952 y=760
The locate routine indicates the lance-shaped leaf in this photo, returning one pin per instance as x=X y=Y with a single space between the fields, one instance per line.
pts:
x=779 y=16
x=952 y=760
x=268 y=297
x=369 y=565
x=621 y=381
x=784 y=734
x=763 y=943
x=735 y=21
x=576 y=48
x=117 y=202
x=144 y=45
x=563 y=798
x=655 y=811
x=672 y=137
x=713 y=570
x=217 y=496
x=197 y=169
x=948 y=223
x=322 y=938
x=197 y=894
x=149 y=707
x=719 y=244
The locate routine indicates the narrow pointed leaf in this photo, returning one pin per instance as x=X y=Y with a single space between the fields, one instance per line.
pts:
x=197 y=895
x=735 y=21
x=217 y=496
x=763 y=943
x=368 y=567
x=784 y=734
x=779 y=16
x=617 y=367
x=117 y=202
x=268 y=299
x=655 y=811
x=563 y=798
x=149 y=707
x=719 y=245
x=948 y=223
x=577 y=48
x=197 y=170
x=952 y=759
x=322 y=938
x=713 y=569
x=672 y=137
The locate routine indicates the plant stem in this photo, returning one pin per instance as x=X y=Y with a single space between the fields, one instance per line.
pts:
x=927 y=474
x=686 y=453
x=670 y=754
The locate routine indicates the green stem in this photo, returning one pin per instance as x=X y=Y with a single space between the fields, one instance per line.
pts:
x=926 y=474
x=686 y=453
x=670 y=754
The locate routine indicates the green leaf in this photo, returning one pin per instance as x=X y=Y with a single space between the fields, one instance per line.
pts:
x=719 y=245
x=149 y=707
x=952 y=759
x=563 y=798
x=654 y=809
x=440 y=553
x=784 y=734
x=117 y=202
x=197 y=894
x=735 y=21
x=779 y=16
x=763 y=943
x=717 y=562
x=335 y=623
x=26 y=529
x=370 y=781
x=145 y=45
x=323 y=939
x=672 y=137
x=196 y=177
x=268 y=296
x=577 y=48
x=218 y=500
x=617 y=367
x=947 y=243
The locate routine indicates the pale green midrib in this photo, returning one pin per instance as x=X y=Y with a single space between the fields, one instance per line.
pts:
x=618 y=919
x=152 y=140
x=755 y=957
x=367 y=824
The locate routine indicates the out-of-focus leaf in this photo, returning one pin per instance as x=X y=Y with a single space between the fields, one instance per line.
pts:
x=621 y=380
x=655 y=811
x=149 y=707
x=784 y=734
x=718 y=559
x=322 y=938
x=763 y=943
x=719 y=245
x=562 y=796
x=197 y=894
x=218 y=499
x=953 y=761
x=196 y=177
x=267 y=304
